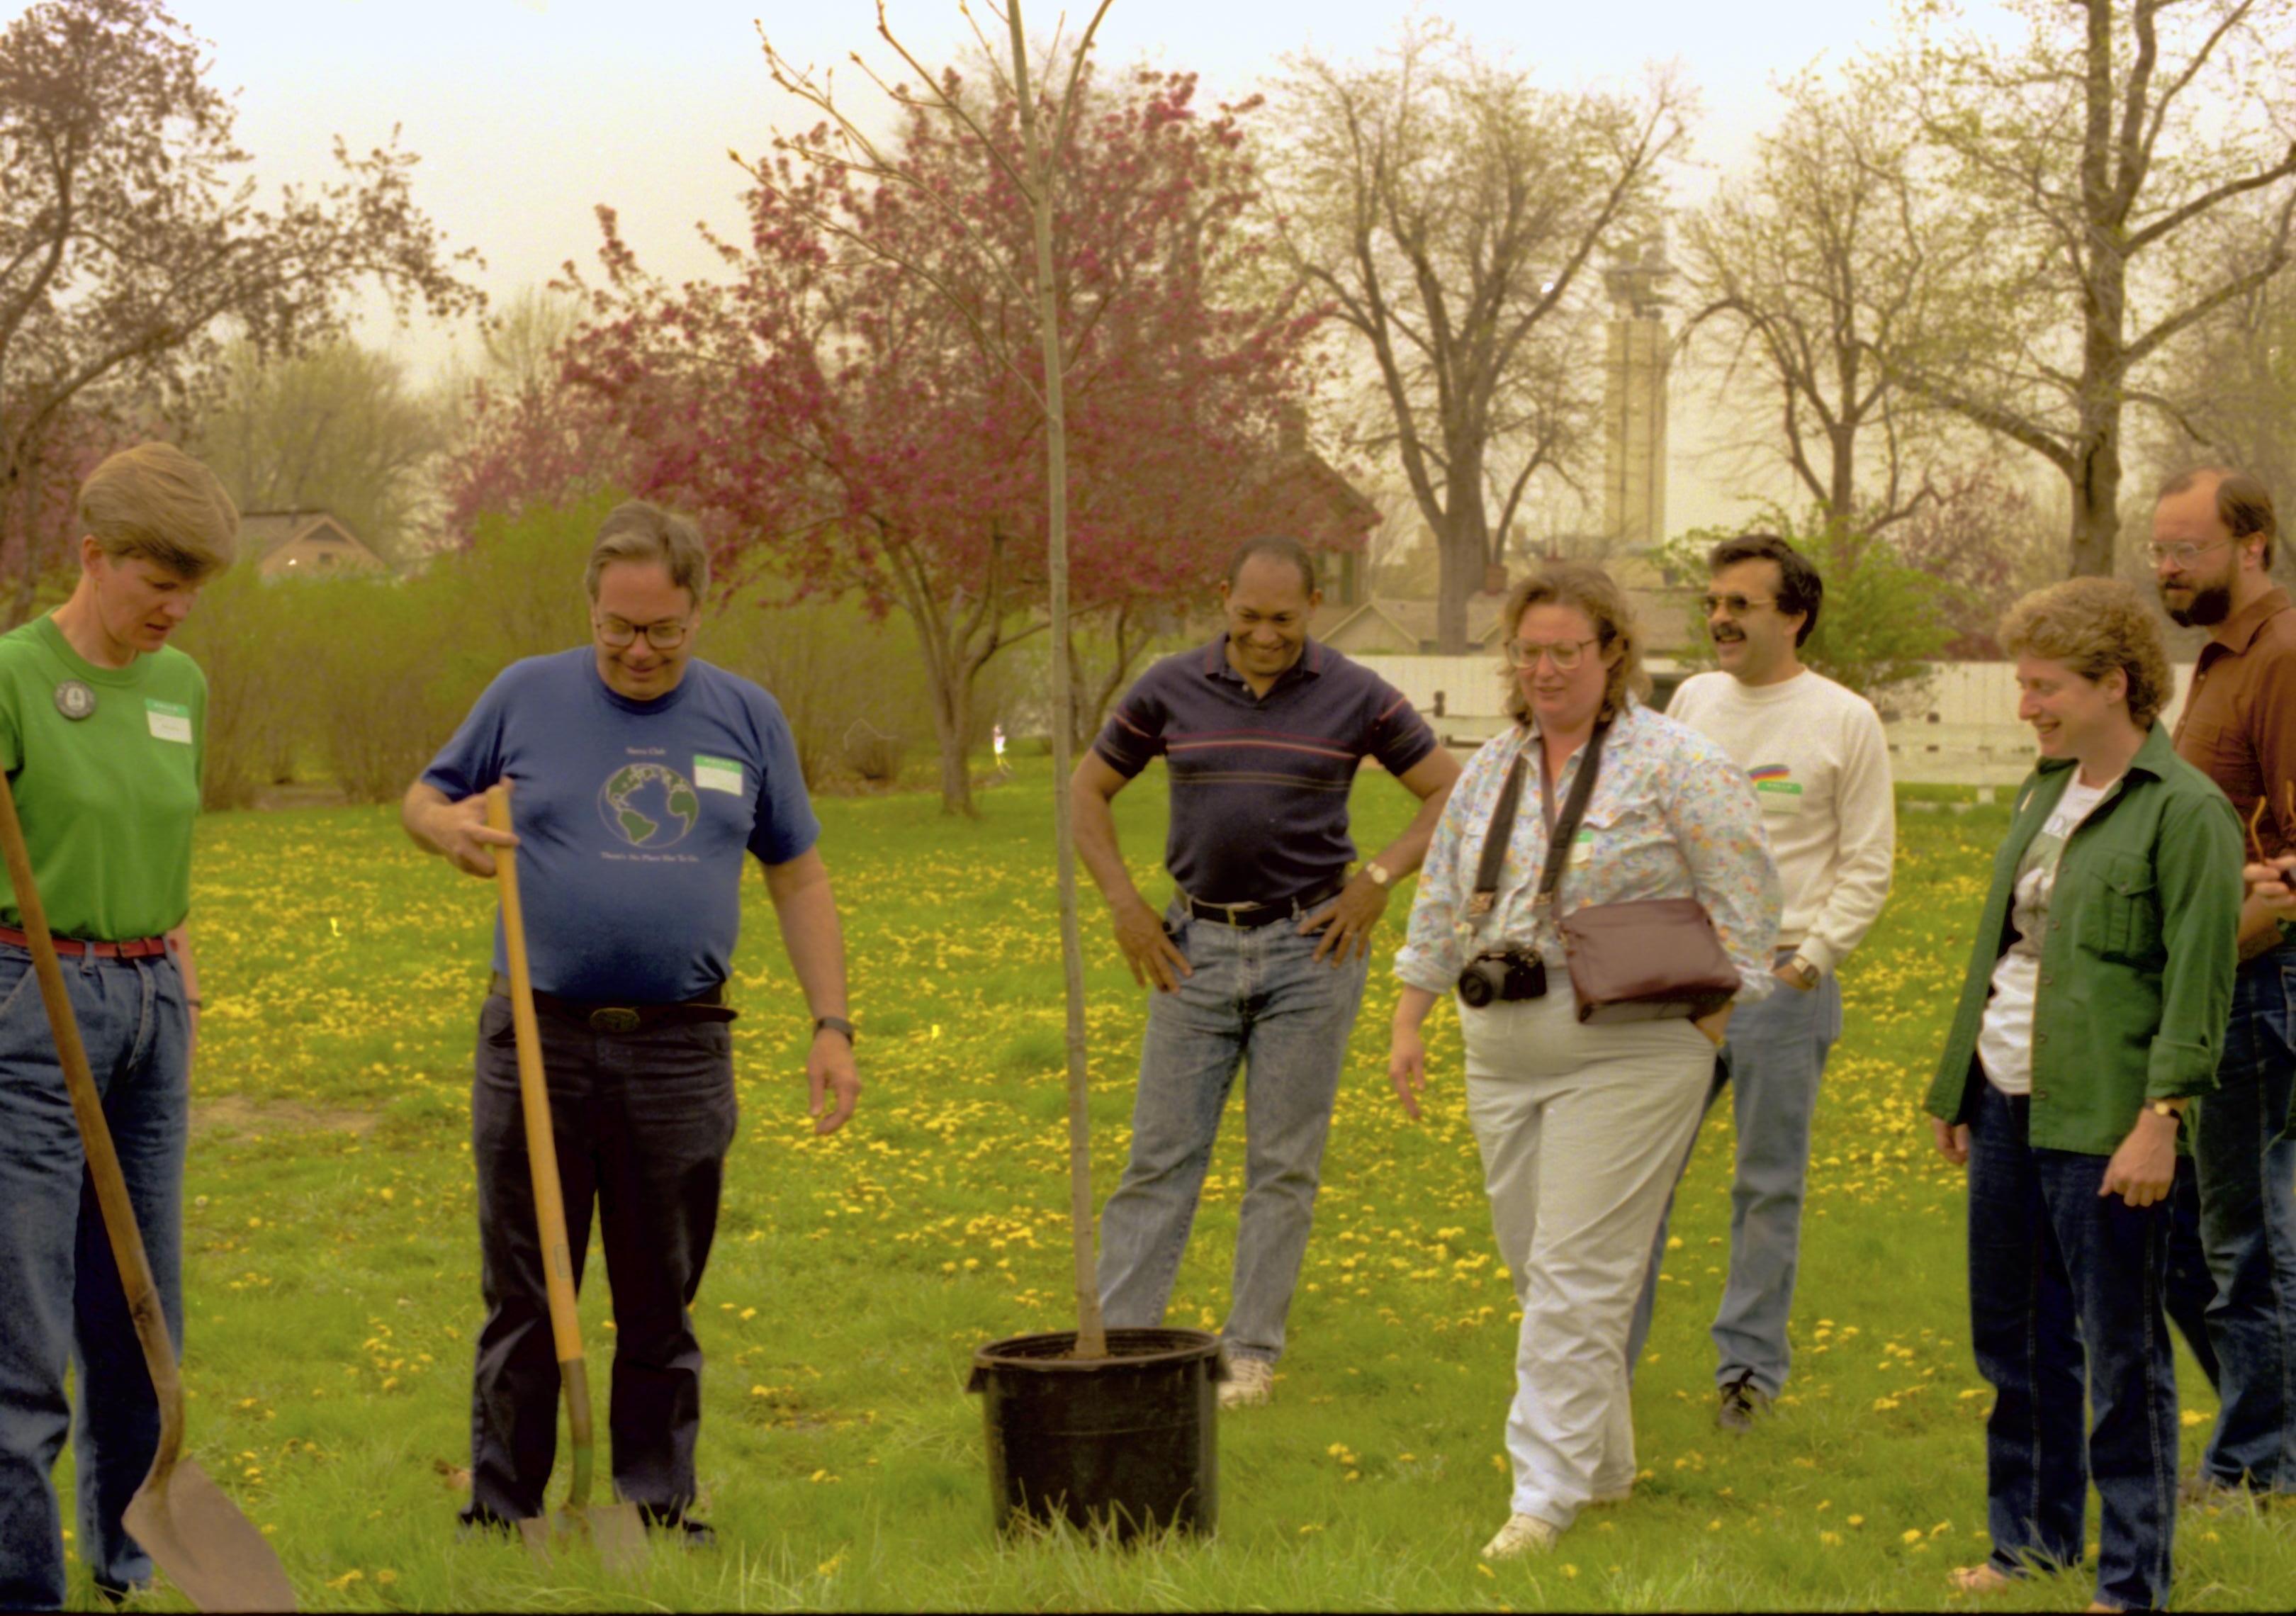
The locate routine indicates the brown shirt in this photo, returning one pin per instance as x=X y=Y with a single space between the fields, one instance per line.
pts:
x=2239 y=723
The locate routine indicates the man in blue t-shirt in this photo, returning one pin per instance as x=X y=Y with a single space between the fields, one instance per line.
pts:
x=1259 y=963
x=640 y=777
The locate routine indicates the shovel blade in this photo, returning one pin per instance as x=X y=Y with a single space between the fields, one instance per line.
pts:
x=209 y=1550
x=616 y=1530
x=619 y=1532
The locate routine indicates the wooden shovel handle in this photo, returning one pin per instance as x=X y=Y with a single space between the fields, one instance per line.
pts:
x=542 y=1156
x=135 y=1280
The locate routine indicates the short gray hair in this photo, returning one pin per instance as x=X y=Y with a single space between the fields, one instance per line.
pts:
x=639 y=530
x=157 y=504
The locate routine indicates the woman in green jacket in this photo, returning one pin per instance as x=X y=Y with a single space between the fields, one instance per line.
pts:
x=2094 y=1010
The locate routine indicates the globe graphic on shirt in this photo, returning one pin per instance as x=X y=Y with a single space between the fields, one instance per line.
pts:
x=648 y=805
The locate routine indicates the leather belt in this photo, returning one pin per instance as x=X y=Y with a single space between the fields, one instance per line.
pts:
x=74 y=947
x=599 y=1017
x=1245 y=916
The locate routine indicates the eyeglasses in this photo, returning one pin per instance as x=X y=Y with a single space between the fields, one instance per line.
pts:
x=1564 y=654
x=2183 y=555
x=1736 y=605
x=668 y=635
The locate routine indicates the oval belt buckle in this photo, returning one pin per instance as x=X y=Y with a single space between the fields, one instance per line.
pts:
x=616 y=1019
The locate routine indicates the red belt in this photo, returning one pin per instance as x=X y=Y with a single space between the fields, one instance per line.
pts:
x=142 y=948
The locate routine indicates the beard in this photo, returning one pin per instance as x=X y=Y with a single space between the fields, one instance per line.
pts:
x=2211 y=605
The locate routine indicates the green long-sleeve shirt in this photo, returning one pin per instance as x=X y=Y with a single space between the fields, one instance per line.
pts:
x=2137 y=967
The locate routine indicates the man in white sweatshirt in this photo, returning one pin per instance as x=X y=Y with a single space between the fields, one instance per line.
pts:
x=1821 y=771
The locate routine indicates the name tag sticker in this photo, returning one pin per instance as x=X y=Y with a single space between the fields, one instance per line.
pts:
x=717 y=774
x=1582 y=849
x=169 y=720
x=1775 y=788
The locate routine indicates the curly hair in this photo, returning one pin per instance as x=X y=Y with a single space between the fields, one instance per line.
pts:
x=1592 y=591
x=2092 y=626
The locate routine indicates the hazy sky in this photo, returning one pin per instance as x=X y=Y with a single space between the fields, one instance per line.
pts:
x=528 y=113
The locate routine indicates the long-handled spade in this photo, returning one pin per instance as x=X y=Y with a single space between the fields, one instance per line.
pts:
x=615 y=1528
x=184 y=1522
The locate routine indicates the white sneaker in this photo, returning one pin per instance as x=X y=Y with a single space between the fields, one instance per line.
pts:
x=1521 y=1535
x=1250 y=1383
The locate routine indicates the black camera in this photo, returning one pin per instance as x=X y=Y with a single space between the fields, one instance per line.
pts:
x=1503 y=973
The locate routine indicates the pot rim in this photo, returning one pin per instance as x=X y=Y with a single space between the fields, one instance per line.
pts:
x=1191 y=1345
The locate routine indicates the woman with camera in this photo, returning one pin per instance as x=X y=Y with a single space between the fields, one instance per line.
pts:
x=1593 y=988
x=2092 y=1014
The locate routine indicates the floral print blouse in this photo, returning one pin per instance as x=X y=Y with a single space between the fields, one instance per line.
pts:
x=1671 y=817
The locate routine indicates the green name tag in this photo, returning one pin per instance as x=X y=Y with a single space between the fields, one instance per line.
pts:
x=717 y=774
x=169 y=720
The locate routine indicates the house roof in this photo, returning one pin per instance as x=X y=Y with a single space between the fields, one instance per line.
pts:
x=1413 y=619
x=1662 y=612
x=262 y=532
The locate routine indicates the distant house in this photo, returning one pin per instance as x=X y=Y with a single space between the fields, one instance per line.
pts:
x=1406 y=628
x=1390 y=627
x=303 y=543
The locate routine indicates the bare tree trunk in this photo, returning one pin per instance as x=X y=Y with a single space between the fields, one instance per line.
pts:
x=1092 y=1333
x=2096 y=492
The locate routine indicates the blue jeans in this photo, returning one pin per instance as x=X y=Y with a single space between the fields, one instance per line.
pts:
x=2247 y=1167
x=1771 y=1064
x=1259 y=1001
x=642 y=1122
x=2066 y=1289
x=60 y=1301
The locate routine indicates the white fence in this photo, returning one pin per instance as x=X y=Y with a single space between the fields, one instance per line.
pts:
x=1960 y=728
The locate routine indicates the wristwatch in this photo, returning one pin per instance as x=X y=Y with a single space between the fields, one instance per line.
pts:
x=1806 y=975
x=1379 y=874
x=833 y=1023
x=2162 y=1108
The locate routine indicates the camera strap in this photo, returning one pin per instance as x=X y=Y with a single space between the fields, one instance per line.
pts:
x=1558 y=842
x=1566 y=829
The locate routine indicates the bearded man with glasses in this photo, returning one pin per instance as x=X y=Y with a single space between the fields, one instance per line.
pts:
x=2212 y=535
x=1820 y=768
x=644 y=780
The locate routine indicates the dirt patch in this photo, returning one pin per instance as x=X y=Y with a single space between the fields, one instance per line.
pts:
x=299 y=794
x=244 y=1116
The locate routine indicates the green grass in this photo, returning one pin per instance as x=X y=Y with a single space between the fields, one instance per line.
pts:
x=334 y=1292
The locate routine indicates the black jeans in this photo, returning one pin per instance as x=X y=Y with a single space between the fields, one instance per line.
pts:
x=2065 y=1292
x=643 y=1122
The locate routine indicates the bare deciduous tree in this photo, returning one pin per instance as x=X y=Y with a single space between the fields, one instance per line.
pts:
x=2089 y=163
x=1808 y=264
x=1447 y=207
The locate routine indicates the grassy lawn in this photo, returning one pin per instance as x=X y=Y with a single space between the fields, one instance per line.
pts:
x=334 y=1289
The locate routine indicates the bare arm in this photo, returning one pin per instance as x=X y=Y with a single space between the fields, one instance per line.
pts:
x=806 y=909
x=1346 y=923
x=1407 y=1047
x=455 y=831
x=1431 y=780
x=1139 y=933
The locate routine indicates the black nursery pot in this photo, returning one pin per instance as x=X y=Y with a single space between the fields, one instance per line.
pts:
x=1130 y=1441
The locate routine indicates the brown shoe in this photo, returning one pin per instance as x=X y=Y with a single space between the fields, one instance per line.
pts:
x=1979 y=1580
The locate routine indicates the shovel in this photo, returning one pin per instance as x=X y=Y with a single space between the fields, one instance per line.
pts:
x=615 y=1528
x=184 y=1522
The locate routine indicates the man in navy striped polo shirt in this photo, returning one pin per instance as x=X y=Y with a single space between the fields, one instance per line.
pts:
x=1259 y=960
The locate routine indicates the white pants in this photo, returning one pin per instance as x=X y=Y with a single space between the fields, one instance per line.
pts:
x=1582 y=1131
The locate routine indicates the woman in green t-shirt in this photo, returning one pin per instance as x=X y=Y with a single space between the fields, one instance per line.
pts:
x=101 y=722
